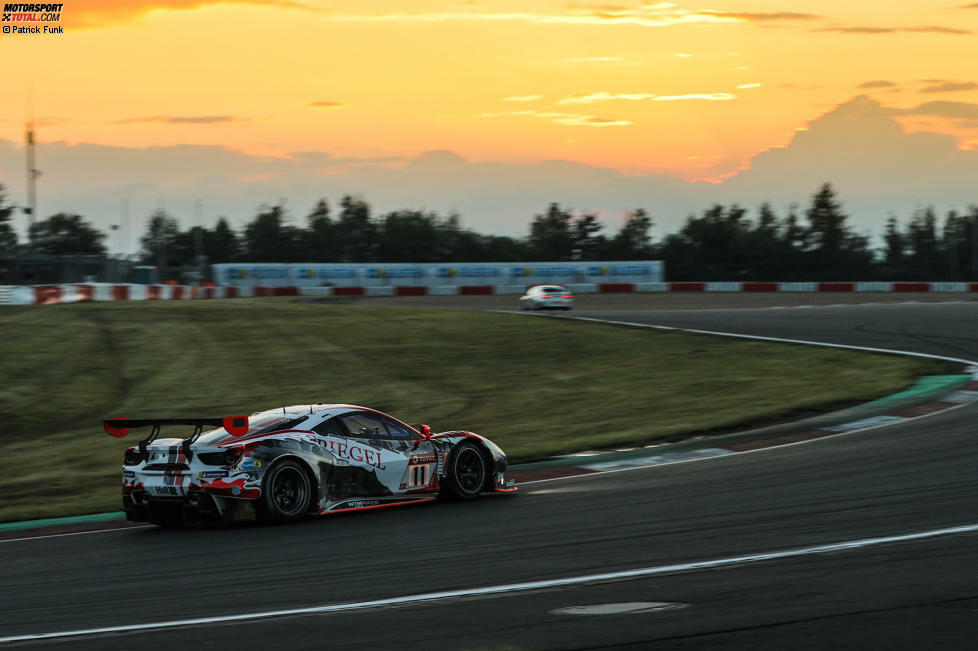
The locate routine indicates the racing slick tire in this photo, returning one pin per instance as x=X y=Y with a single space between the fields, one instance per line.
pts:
x=286 y=493
x=467 y=473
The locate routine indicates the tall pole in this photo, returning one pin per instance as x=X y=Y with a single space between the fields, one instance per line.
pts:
x=32 y=174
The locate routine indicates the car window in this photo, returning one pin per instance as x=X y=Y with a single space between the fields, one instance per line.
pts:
x=330 y=427
x=397 y=430
x=362 y=424
x=554 y=290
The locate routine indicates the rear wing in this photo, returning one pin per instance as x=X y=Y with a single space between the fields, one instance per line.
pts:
x=119 y=427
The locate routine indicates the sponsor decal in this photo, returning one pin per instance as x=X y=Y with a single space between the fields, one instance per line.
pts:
x=250 y=463
x=164 y=491
x=418 y=459
x=207 y=474
x=357 y=504
x=355 y=453
x=128 y=473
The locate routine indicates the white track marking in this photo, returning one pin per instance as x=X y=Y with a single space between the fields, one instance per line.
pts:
x=782 y=340
x=511 y=587
x=75 y=533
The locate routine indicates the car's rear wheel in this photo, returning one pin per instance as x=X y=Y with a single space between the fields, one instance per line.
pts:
x=286 y=493
x=467 y=472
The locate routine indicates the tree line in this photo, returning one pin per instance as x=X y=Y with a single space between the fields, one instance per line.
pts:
x=722 y=243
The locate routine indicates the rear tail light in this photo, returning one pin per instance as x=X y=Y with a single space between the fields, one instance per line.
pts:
x=567 y=296
x=546 y=296
x=133 y=457
x=227 y=457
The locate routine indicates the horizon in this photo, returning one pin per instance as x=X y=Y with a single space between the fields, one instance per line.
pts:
x=493 y=110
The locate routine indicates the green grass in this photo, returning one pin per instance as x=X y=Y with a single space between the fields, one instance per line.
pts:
x=535 y=386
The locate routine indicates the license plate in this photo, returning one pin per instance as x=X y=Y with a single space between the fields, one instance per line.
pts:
x=164 y=491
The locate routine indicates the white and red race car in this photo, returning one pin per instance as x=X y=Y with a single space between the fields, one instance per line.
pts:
x=289 y=462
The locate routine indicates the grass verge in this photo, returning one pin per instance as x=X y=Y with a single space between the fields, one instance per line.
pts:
x=535 y=386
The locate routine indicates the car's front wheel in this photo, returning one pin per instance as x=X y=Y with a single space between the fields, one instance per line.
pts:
x=467 y=472
x=286 y=493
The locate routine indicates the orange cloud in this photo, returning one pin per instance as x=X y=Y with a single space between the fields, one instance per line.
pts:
x=860 y=29
x=712 y=97
x=604 y=97
x=571 y=119
x=178 y=119
x=326 y=104
x=99 y=13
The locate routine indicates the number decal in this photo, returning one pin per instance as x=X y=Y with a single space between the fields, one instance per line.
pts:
x=419 y=476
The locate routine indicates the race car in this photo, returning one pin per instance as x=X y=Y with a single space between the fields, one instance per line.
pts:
x=283 y=464
x=546 y=297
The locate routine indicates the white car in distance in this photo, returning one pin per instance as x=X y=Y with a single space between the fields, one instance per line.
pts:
x=547 y=297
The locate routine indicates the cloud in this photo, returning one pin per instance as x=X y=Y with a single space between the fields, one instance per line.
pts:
x=859 y=29
x=523 y=98
x=966 y=124
x=766 y=17
x=326 y=104
x=745 y=86
x=858 y=146
x=878 y=83
x=604 y=97
x=941 y=86
x=684 y=55
x=99 y=13
x=712 y=97
x=941 y=109
x=974 y=6
x=595 y=60
x=648 y=15
x=796 y=86
x=572 y=119
x=180 y=119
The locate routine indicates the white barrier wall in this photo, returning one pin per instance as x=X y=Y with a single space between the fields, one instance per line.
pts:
x=437 y=274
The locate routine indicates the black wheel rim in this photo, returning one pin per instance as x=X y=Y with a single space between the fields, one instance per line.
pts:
x=470 y=471
x=290 y=491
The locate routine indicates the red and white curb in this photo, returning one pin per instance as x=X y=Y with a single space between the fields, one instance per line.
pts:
x=74 y=293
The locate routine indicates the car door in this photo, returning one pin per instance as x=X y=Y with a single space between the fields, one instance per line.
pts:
x=390 y=449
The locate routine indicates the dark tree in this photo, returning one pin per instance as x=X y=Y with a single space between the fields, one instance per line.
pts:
x=64 y=234
x=8 y=236
x=223 y=244
x=633 y=241
x=792 y=233
x=587 y=237
x=269 y=239
x=356 y=234
x=550 y=234
x=407 y=236
x=895 y=243
x=827 y=230
x=319 y=242
x=835 y=252
x=926 y=261
x=161 y=236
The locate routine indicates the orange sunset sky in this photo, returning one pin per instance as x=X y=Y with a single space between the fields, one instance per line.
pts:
x=692 y=90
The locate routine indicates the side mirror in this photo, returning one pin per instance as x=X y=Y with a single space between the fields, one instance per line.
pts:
x=425 y=432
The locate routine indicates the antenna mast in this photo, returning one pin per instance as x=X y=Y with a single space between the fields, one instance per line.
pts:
x=32 y=174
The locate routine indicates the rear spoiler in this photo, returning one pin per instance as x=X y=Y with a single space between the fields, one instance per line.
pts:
x=119 y=427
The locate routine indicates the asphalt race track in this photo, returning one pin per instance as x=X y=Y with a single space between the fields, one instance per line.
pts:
x=873 y=488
